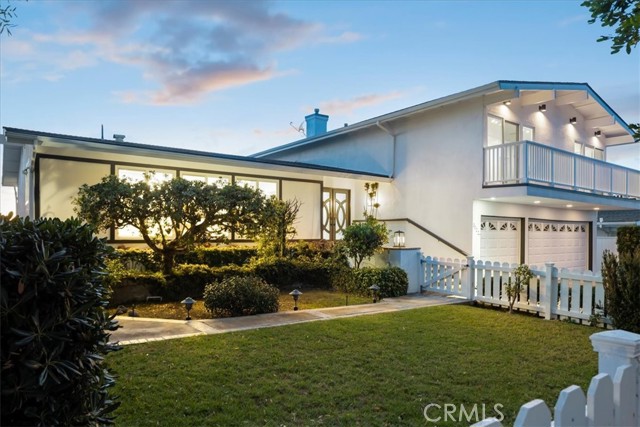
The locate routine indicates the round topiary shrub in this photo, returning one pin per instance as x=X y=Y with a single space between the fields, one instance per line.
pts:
x=393 y=281
x=240 y=296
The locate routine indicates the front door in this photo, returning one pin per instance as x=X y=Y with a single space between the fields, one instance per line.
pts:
x=335 y=213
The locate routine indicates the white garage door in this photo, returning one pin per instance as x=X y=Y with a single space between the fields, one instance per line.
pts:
x=500 y=240
x=565 y=244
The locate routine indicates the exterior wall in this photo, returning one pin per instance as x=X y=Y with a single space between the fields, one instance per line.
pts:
x=308 y=223
x=551 y=127
x=439 y=173
x=368 y=150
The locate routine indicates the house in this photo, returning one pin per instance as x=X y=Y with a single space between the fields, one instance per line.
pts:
x=511 y=171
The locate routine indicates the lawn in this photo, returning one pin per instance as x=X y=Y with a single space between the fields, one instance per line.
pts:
x=379 y=370
x=311 y=298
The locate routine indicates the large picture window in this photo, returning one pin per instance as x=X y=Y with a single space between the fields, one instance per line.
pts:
x=267 y=187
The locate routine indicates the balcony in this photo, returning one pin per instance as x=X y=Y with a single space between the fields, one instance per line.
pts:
x=527 y=162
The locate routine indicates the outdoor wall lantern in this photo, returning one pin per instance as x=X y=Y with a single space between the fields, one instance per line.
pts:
x=542 y=108
x=398 y=239
x=573 y=120
x=597 y=133
x=188 y=304
x=295 y=294
x=375 y=291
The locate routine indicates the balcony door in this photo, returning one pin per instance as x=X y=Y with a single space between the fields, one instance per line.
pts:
x=336 y=213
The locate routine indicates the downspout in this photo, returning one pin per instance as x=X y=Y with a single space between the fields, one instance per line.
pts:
x=387 y=131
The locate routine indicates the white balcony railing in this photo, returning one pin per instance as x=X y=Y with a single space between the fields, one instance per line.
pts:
x=527 y=162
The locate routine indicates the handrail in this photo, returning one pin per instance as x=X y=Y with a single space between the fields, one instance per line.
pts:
x=430 y=233
x=512 y=163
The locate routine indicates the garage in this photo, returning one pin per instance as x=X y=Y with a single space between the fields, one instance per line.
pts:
x=500 y=239
x=564 y=243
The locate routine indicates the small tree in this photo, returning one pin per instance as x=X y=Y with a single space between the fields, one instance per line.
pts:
x=172 y=216
x=363 y=239
x=276 y=225
x=521 y=276
x=621 y=280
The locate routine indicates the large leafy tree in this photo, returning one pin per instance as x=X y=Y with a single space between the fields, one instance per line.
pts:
x=171 y=216
x=624 y=15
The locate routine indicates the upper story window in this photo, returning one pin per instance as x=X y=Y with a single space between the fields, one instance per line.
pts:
x=501 y=131
x=588 y=150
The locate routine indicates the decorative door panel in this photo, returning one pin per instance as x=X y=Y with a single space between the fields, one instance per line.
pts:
x=336 y=214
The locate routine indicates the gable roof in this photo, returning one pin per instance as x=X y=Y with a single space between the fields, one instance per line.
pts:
x=500 y=85
x=55 y=138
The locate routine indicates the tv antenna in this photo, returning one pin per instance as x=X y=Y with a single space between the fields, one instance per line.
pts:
x=299 y=128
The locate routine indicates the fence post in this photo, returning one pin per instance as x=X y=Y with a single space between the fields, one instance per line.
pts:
x=617 y=348
x=468 y=280
x=550 y=291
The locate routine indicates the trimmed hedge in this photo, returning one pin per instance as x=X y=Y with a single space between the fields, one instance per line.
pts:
x=241 y=296
x=217 y=256
x=393 y=281
x=54 y=325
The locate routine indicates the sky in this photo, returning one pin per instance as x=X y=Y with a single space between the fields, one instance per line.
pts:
x=236 y=77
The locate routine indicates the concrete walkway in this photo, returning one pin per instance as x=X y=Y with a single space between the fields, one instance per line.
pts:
x=135 y=330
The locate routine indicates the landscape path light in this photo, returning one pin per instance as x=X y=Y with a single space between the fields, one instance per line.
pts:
x=375 y=289
x=188 y=304
x=295 y=294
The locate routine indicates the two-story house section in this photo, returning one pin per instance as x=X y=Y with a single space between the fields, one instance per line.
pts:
x=512 y=171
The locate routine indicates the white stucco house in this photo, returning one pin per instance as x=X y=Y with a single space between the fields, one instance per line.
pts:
x=511 y=171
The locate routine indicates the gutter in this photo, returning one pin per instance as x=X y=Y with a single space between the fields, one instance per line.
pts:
x=393 y=136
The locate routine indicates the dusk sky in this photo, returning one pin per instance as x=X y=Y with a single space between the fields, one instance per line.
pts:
x=229 y=77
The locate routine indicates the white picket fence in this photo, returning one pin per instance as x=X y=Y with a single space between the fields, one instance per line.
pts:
x=551 y=292
x=612 y=398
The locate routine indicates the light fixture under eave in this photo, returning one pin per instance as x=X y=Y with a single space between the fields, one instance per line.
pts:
x=573 y=120
x=536 y=202
x=542 y=108
x=569 y=206
x=596 y=209
x=597 y=133
x=507 y=102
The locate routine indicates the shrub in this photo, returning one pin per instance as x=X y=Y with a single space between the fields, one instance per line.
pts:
x=628 y=240
x=362 y=240
x=138 y=259
x=130 y=286
x=393 y=281
x=54 y=325
x=190 y=280
x=241 y=296
x=621 y=280
x=287 y=273
x=521 y=277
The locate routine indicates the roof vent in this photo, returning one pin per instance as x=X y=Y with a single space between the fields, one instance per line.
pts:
x=118 y=137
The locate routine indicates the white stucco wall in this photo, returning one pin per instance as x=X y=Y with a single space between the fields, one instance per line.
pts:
x=307 y=224
x=369 y=150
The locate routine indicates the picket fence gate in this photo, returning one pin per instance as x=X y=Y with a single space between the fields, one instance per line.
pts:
x=552 y=292
x=613 y=396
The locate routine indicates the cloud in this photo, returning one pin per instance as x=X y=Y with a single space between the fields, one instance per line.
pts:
x=184 y=50
x=345 y=37
x=347 y=106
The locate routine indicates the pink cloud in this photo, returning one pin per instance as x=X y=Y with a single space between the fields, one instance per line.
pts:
x=347 y=106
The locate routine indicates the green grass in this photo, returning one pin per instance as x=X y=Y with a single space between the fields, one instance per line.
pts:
x=311 y=298
x=379 y=370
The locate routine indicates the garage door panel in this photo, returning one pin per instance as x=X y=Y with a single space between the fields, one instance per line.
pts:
x=500 y=240
x=564 y=244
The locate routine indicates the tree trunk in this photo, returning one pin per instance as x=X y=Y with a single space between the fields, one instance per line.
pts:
x=168 y=258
